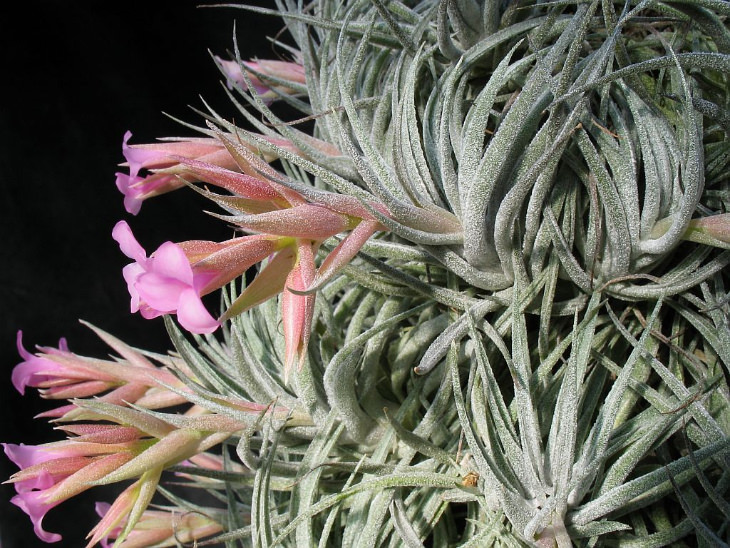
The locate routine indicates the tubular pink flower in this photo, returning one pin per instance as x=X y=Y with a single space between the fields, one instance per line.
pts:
x=54 y=472
x=234 y=76
x=32 y=489
x=34 y=507
x=35 y=370
x=101 y=454
x=175 y=277
x=169 y=164
x=298 y=225
x=29 y=456
x=283 y=70
x=162 y=156
x=164 y=283
x=136 y=189
x=58 y=373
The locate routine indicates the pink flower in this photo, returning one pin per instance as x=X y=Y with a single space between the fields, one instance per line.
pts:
x=61 y=374
x=300 y=223
x=286 y=224
x=175 y=277
x=163 y=284
x=279 y=73
x=157 y=168
x=163 y=156
x=101 y=454
x=54 y=472
x=139 y=447
x=37 y=370
x=167 y=282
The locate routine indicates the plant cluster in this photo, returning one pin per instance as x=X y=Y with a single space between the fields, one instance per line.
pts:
x=477 y=297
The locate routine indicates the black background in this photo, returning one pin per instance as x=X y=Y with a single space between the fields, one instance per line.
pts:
x=74 y=77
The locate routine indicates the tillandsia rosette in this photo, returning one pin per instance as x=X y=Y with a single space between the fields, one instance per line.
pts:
x=477 y=294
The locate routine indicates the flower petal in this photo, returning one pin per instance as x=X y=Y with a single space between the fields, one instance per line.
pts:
x=31 y=371
x=192 y=314
x=138 y=157
x=25 y=456
x=132 y=196
x=170 y=261
x=131 y=273
x=149 y=313
x=129 y=245
x=160 y=293
x=32 y=503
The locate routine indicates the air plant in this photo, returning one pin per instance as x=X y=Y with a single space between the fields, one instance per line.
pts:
x=479 y=296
